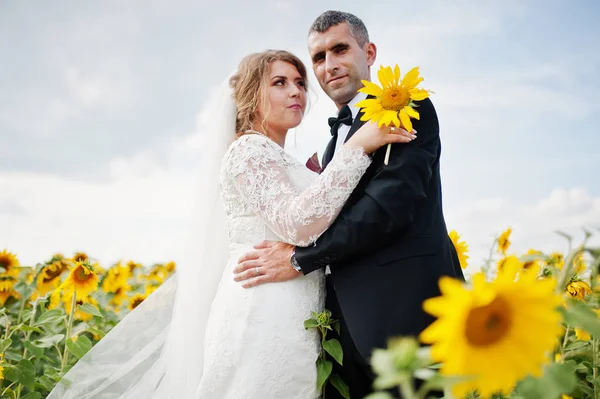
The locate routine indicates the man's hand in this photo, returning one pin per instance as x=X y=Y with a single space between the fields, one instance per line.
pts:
x=268 y=263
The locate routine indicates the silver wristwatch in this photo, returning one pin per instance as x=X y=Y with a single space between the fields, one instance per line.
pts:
x=294 y=262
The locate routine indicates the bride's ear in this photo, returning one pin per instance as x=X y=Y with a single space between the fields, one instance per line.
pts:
x=371 y=52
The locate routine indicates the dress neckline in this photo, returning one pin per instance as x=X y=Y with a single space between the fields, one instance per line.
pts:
x=264 y=135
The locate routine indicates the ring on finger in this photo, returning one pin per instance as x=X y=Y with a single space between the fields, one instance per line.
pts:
x=257 y=271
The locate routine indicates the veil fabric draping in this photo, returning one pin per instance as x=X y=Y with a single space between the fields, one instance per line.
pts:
x=157 y=350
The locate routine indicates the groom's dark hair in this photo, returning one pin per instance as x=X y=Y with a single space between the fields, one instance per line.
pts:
x=332 y=18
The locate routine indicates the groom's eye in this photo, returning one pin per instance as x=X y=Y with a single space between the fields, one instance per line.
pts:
x=318 y=58
x=340 y=48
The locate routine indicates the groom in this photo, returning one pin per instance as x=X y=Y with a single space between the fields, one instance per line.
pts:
x=389 y=246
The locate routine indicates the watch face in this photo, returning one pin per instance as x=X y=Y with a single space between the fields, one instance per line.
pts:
x=294 y=262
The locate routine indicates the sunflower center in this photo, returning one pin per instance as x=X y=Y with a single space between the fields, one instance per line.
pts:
x=488 y=324
x=52 y=272
x=136 y=302
x=81 y=275
x=4 y=264
x=395 y=98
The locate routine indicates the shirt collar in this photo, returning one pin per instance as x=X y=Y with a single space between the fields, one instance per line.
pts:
x=352 y=104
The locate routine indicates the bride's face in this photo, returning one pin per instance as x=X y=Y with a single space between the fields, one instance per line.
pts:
x=285 y=97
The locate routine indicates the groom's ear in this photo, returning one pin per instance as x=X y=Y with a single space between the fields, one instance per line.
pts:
x=371 y=52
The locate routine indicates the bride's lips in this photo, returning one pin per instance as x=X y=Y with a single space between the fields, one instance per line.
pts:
x=295 y=106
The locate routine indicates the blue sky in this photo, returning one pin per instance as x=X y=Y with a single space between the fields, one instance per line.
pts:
x=101 y=113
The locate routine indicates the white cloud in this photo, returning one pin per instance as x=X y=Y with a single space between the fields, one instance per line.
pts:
x=534 y=222
x=102 y=61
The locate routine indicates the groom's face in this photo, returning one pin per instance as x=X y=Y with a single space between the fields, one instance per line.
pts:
x=340 y=63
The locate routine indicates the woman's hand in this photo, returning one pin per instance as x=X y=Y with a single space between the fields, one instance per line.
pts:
x=370 y=137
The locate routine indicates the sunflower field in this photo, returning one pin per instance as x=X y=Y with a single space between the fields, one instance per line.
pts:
x=51 y=314
x=526 y=326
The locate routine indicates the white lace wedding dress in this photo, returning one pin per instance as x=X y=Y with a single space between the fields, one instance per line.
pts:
x=256 y=346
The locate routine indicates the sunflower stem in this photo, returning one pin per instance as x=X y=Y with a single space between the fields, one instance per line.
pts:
x=27 y=335
x=7 y=388
x=565 y=341
x=488 y=262
x=387 y=154
x=595 y=366
x=22 y=308
x=567 y=271
x=407 y=390
x=68 y=335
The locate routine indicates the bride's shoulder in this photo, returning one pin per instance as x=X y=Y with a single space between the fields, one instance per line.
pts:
x=250 y=144
x=248 y=147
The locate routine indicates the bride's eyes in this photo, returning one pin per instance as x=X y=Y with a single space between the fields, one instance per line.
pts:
x=281 y=82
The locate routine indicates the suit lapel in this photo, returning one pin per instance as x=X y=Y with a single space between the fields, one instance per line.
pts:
x=357 y=123
x=329 y=151
x=328 y=154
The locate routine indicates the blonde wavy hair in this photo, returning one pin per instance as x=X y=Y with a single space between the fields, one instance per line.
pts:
x=249 y=84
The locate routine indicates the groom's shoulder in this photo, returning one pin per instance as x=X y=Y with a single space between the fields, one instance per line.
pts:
x=425 y=104
x=426 y=110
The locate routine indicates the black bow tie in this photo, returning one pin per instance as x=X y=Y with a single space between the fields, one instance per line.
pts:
x=344 y=116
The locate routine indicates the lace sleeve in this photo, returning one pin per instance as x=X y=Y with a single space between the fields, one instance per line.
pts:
x=258 y=169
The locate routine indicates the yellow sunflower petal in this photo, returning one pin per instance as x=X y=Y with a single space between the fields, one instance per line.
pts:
x=418 y=94
x=382 y=77
x=369 y=102
x=412 y=113
x=389 y=75
x=412 y=79
x=371 y=89
x=396 y=120
x=405 y=119
x=396 y=74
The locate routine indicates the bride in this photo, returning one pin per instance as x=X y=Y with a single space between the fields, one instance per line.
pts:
x=201 y=335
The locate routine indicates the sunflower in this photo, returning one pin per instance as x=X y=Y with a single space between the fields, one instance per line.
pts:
x=578 y=289
x=67 y=299
x=120 y=295
x=10 y=264
x=496 y=332
x=136 y=300
x=133 y=266
x=49 y=277
x=510 y=261
x=4 y=295
x=82 y=278
x=170 y=267
x=7 y=283
x=80 y=257
x=461 y=248
x=556 y=259
x=582 y=335
x=158 y=274
x=116 y=277
x=394 y=100
x=579 y=264
x=1 y=372
x=504 y=241
x=533 y=262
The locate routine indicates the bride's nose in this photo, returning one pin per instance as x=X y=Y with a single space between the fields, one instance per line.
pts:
x=295 y=91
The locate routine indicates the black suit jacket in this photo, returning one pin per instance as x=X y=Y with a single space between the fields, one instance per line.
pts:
x=389 y=245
